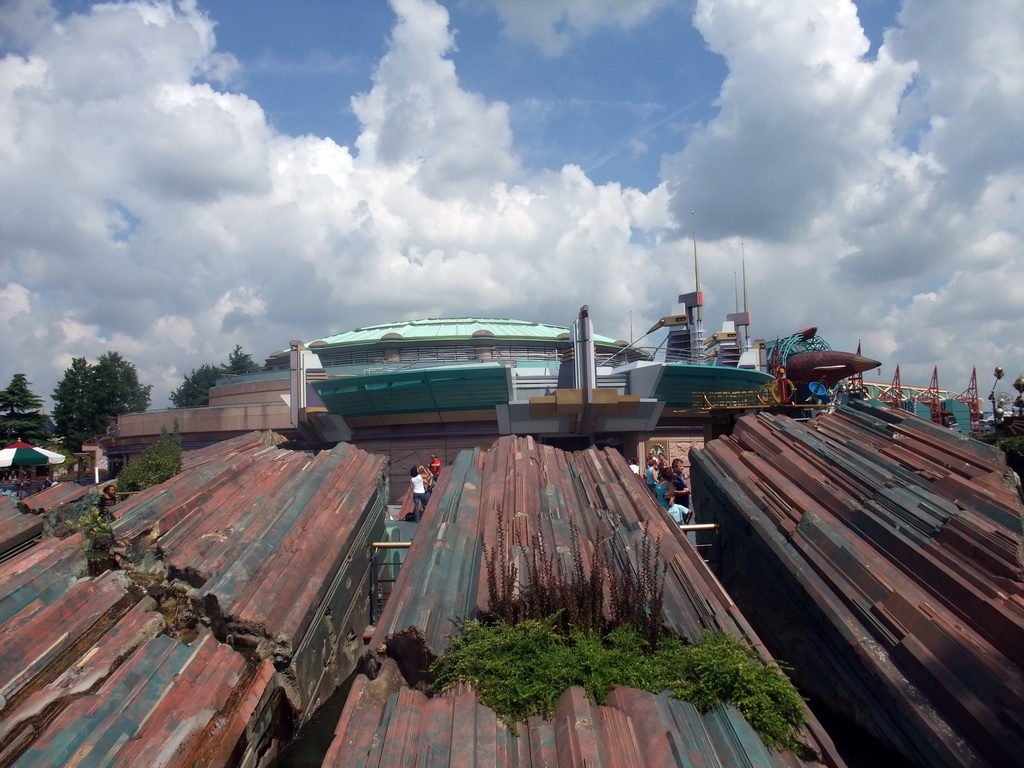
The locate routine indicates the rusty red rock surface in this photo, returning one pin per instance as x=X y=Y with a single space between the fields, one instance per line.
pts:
x=881 y=555
x=538 y=489
x=267 y=548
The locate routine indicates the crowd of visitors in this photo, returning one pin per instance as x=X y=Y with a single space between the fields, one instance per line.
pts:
x=19 y=483
x=667 y=484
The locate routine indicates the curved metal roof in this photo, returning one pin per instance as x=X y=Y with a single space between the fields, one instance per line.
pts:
x=455 y=329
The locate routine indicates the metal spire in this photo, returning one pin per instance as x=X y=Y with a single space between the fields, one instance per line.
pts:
x=696 y=263
x=746 y=309
x=699 y=330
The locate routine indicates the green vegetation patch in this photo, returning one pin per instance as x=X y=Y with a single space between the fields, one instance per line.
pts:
x=160 y=462
x=521 y=670
x=97 y=533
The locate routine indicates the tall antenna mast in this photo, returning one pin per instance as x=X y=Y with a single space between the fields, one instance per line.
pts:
x=736 y=289
x=746 y=309
x=743 y=262
x=696 y=274
x=696 y=263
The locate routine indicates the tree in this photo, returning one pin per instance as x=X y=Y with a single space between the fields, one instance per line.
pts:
x=240 y=363
x=194 y=392
x=116 y=386
x=89 y=394
x=73 y=414
x=20 y=414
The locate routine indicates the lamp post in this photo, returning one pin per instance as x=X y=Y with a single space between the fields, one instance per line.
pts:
x=80 y=458
x=991 y=395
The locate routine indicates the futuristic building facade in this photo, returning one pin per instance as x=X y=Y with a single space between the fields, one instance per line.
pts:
x=411 y=388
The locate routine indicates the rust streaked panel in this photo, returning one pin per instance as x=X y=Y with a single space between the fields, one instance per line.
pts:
x=275 y=546
x=539 y=491
x=881 y=557
x=17 y=528
x=635 y=729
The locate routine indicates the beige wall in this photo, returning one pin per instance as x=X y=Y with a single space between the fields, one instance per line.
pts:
x=250 y=393
x=234 y=410
x=677 y=448
x=203 y=423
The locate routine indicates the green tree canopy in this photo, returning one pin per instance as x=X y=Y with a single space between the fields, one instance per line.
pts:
x=240 y=362
x=116 y=386
x=21 y=413
x=194 y=392
x=73 y=414
x=89 y=394
x=160 y=462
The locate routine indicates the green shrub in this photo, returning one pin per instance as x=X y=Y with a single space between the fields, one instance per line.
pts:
x=1014 y=449
x=721 y=668
x=518 y=670
x=160 y=462
x=521 y=670
x=546 y=631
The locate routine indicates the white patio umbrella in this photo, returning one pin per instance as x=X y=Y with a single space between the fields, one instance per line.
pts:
x=21 y=454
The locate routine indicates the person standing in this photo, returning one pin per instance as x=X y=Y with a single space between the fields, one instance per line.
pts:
x=665 y=491
x=428 y=484
x=634 y=466
x=662 y=461
x=108 y=498
x=651 y=475
x=435 y=465
x=679 y=482
x=680 y=514
x=419 y=493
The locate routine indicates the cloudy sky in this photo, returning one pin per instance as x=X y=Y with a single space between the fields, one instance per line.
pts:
x=178 y=178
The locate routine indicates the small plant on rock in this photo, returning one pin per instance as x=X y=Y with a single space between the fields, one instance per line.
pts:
x=97 y=535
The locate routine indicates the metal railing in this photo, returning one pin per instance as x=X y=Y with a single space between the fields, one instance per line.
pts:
x=710 y=551
x=383 y=573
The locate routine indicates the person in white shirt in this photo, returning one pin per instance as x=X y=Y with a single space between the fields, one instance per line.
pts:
x=419 y=493
x=634 y=466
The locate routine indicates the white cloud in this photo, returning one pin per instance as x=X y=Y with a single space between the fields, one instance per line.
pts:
x=417 y=115
x=162 y=217
x=553 y=25
x=24 y=21
x=150 y=210
x=865 y=186
x=800 y=111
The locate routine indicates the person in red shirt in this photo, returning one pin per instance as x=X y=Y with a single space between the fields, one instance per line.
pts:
x=435 y=465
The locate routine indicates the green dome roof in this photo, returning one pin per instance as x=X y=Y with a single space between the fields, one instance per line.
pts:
x=454 y=329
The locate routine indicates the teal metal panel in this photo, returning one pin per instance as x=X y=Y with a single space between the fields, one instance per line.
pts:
x=447 y=389
x=961 y=413
x=679 y=382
